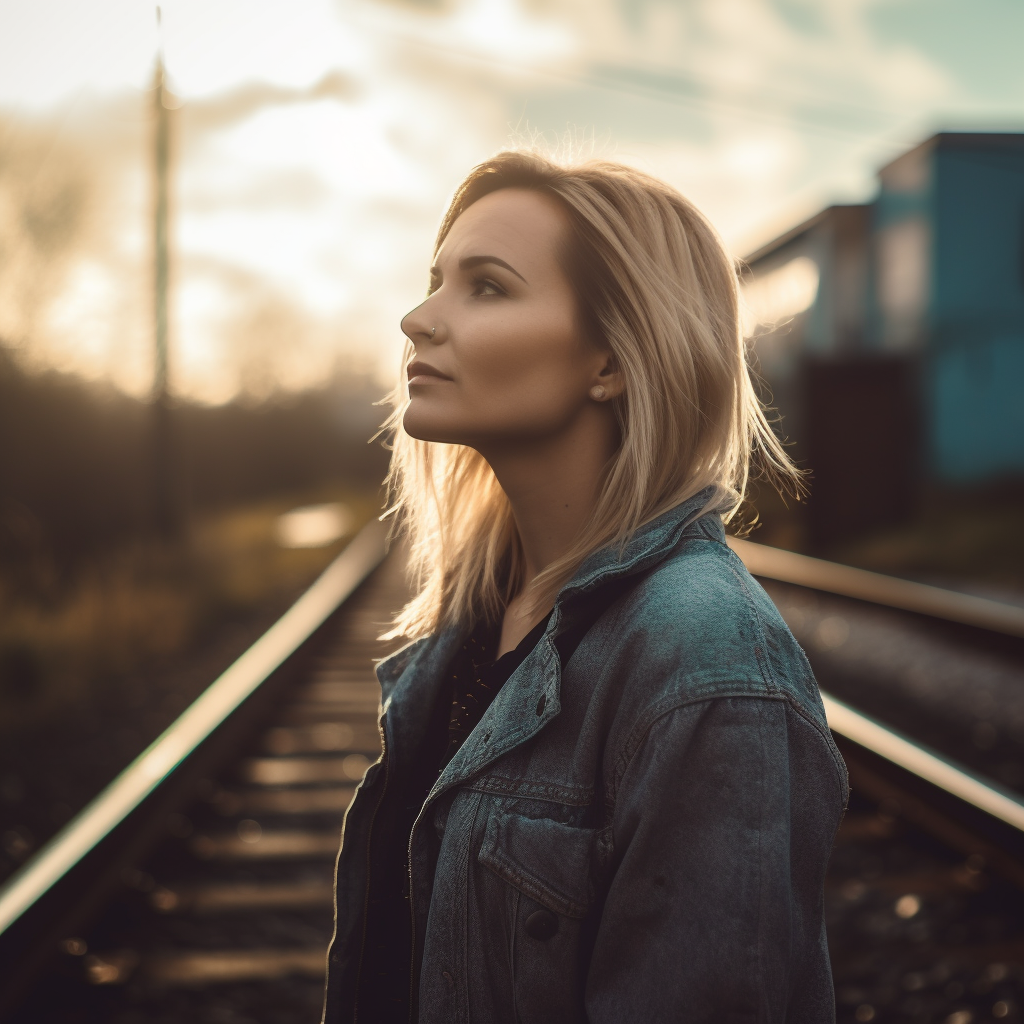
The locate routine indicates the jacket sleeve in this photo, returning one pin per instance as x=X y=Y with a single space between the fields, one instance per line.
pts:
x=723 y=822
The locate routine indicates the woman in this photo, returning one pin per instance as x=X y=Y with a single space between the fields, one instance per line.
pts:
x=608 y=791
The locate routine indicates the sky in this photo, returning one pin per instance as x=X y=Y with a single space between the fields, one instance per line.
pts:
x=317 y=141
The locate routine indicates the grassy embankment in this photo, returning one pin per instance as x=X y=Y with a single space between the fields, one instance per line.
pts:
x=144 y=602
x=975 y=545
x=967 y=540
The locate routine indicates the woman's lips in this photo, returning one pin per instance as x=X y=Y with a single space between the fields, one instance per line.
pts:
x=424 y=373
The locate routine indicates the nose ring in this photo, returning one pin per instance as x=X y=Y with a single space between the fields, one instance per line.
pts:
x=433 y=331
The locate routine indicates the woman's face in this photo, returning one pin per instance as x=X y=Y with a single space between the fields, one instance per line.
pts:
x=498 y=354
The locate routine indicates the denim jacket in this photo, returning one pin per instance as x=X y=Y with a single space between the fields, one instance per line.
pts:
x=641 y=836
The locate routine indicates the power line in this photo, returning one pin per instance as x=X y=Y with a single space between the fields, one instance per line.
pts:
x=673 y=88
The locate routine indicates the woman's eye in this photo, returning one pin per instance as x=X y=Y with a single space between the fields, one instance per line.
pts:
x=484 y=286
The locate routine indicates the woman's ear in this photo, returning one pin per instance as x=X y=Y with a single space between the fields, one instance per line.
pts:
x=609 y=377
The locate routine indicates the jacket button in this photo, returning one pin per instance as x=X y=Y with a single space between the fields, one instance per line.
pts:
x=541 y=924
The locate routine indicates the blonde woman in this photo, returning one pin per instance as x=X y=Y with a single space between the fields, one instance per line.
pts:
x=608 y=791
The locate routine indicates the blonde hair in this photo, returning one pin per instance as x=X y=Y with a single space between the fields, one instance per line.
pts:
x=656 y=287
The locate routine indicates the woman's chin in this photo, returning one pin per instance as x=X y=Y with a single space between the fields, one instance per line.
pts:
x=425 y=427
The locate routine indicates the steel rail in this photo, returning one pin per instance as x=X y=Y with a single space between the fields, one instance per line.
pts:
x=926 y=764
x=905 y=595
x=195 y=725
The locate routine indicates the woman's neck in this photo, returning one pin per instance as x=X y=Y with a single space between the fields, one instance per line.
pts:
x=552 y=486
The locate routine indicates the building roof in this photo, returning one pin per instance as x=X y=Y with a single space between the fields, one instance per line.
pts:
x=1011 y=141
x=796 y=232
x=1004 y=141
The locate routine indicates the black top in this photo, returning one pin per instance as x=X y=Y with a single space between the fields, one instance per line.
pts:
x=474 y=679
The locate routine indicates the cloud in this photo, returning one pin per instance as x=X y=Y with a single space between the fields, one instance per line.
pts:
x=211 y=114
x=747 y=54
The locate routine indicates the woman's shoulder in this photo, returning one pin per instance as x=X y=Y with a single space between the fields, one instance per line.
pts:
x=699 y=625
x=702 y=588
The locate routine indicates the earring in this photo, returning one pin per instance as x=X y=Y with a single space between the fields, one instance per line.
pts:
x=598 y=392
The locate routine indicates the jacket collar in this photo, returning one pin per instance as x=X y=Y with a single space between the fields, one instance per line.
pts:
x=648 y=546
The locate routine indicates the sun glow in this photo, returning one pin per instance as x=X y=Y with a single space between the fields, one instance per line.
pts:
x=780 y=294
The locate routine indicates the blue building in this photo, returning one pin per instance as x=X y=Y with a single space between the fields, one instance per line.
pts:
x=892 y=334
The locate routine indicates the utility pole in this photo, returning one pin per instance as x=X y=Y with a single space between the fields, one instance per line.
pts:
x=166 y=511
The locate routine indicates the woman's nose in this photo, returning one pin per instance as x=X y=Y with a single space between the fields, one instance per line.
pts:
x=417 y=325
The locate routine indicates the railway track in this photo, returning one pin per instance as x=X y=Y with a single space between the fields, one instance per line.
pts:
x=924 y=895
x=198 y=887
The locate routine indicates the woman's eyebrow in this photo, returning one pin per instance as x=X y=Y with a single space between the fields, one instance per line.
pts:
x=468 y=262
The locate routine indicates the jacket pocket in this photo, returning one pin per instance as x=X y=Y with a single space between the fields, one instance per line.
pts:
x=543 y=859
